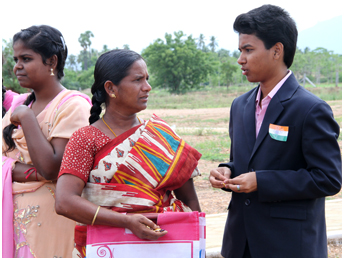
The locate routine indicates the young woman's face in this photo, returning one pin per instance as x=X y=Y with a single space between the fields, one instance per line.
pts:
x=29 y=67
x=133 y=90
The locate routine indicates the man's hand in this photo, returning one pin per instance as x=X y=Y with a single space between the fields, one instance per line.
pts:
x=218 y=176
x=246 y=182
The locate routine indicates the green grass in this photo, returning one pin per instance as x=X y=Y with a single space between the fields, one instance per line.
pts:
x=216 y=121
x=327 y=93
x=205 y=98
x=215 y=149
x=199 y=132
x=339 y=120
x=216 y=97
x=221 y=97
x=340 y=137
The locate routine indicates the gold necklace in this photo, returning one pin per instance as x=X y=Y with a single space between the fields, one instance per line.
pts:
x=110 y=127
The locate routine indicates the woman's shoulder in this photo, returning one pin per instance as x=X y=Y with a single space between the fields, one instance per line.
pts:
x=88 y=131
x=89 y=137
x=73 y=97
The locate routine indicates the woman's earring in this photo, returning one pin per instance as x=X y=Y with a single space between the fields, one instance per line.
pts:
x=52 y=72
x=113 y=95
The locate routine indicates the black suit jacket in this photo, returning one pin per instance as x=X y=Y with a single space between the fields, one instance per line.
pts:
x=285 y=217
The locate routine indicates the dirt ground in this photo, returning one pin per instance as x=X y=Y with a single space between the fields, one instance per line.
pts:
x=214 y=201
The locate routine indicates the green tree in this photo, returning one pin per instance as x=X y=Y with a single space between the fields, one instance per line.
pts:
x=300 y=64
x=126 y=47
x=85 y=42
x=306 y=50
x=321 y=58
x=213 y=43
x=176 y=63
x=70 y=80
x=319 y=65
x=105 y=49
x=94 y=54
x=201 y=43
x=236 y=54
x=337 y=68
x=227 y=70
x=72 y=62
x=215 y=75
x=223 y=54
x=9 y=79
x=85 y=78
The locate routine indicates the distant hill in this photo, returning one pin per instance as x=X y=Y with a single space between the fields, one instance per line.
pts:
x=326 y=34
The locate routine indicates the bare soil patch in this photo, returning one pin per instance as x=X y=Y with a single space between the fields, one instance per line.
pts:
x=191 y=117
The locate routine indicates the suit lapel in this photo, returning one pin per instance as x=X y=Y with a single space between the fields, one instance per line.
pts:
x=249 y=120
x=274 y=109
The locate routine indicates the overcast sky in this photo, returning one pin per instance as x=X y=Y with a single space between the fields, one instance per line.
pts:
x=139 y=23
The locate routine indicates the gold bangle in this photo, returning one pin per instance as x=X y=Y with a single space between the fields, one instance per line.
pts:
x=95 y=216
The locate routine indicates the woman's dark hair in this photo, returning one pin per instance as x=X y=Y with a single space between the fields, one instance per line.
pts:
x=3 y=89
x=271 y=24
x=46 y=41
x=3 y=98
x=114 y=66
x=7 y=132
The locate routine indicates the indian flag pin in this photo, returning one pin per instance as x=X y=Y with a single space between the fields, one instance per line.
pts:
x=278 y=132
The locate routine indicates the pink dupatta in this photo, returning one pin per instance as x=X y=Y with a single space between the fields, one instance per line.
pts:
x=7 y=162
x=7 y=208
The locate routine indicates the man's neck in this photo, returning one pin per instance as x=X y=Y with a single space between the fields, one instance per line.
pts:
x=268 y=85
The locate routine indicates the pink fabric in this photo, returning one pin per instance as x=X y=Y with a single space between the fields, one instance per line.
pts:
x=261 y=110
x=72 y=95
x=9 y=95
x=7 y=208
x=183 y=228
x=69 y=96
x=18 y=100
x=24 y=251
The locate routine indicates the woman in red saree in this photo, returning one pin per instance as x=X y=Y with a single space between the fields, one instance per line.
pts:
x=121 y=163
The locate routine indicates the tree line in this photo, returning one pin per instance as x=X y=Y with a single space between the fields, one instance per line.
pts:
x=180 y=63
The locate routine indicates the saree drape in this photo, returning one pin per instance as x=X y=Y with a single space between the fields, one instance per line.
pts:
x=134 y=172
x=137 y=172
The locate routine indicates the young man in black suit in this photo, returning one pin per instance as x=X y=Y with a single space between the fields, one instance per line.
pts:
x=284 y=157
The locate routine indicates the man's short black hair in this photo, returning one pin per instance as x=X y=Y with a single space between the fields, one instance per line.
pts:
x=271 y=24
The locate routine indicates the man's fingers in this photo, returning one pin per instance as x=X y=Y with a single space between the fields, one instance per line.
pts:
x=216 y=179
x=217 y=184
x=235 y=187
x=227 y=174
x=219 y=176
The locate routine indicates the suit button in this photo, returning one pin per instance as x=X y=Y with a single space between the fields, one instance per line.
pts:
x=252 y=170
x=247 y=202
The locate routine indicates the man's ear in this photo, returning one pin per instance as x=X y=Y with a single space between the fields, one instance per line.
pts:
x=278 y=50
